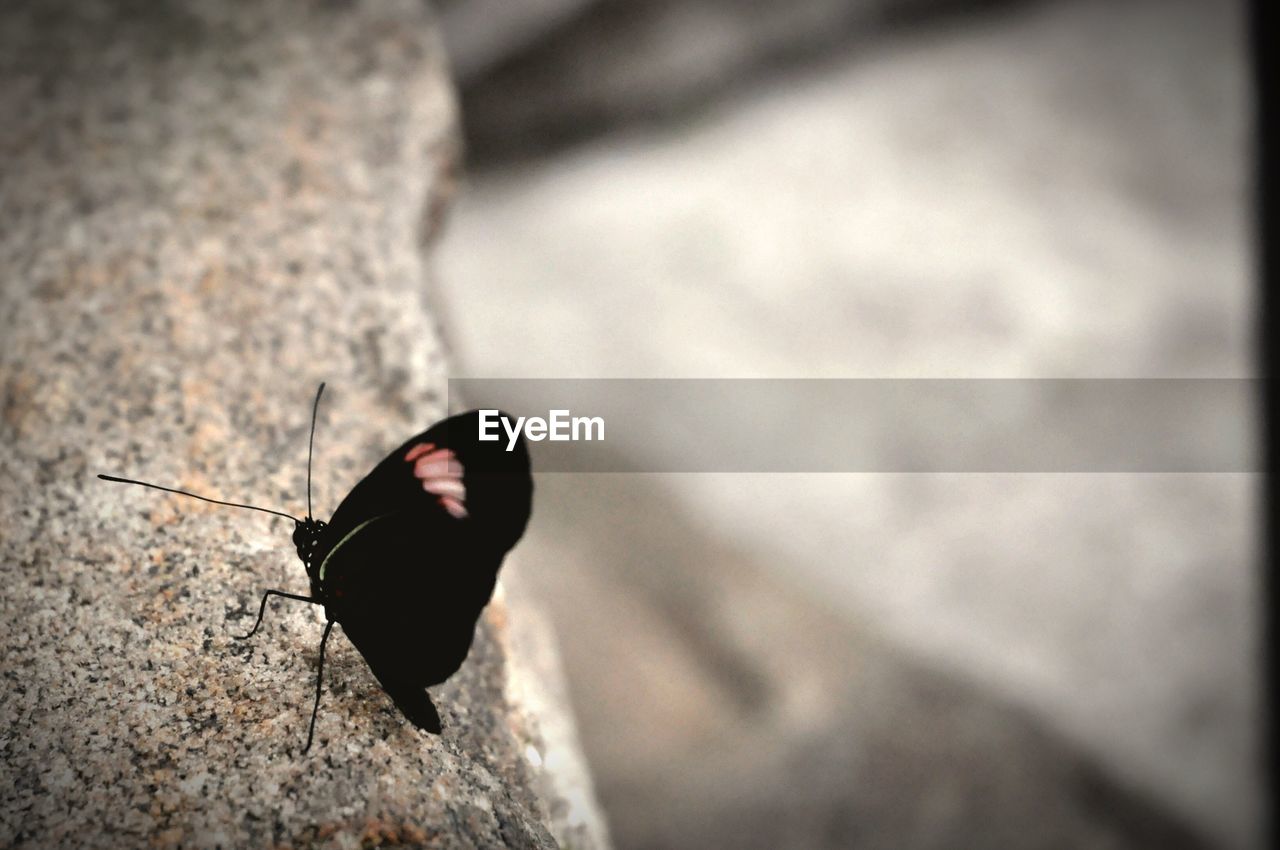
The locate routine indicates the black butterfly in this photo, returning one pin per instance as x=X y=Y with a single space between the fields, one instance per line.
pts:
x=411 y=555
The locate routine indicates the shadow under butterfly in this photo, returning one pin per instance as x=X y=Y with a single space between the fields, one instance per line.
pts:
x=411 y=556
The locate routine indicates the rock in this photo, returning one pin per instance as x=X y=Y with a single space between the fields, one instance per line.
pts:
x=537 y=76
x=722 y=707
x=207 y=208
x=481 y=34
x=1059 y=191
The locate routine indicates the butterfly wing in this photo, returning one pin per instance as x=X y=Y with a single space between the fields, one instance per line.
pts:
x=412 y=700
x=413 y=554
x=497 y=487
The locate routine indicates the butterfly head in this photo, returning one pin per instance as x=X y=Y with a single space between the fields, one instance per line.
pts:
x=306 y=538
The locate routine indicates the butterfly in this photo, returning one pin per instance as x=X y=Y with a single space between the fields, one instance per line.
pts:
x=410 y=557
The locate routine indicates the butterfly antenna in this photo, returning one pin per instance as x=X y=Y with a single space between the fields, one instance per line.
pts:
x=311 y=442
x=196 y=496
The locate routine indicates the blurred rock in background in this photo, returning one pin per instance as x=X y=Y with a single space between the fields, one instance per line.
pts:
x=723 y=705
x=537 y=76
x=1029 y=190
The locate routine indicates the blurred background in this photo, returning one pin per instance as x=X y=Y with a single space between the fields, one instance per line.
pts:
x=877 y=188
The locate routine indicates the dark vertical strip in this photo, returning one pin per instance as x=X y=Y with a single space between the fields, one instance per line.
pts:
x=1262 y=25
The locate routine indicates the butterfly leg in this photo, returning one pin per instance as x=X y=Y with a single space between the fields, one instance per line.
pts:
x=262 y=609
x=311 y=731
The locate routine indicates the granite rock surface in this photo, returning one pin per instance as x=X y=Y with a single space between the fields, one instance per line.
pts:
x=205 y=210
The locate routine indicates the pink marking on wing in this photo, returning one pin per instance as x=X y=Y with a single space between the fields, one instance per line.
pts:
x=445 y=487
x=454 y=507
x=441 y=475
x=436 y=464
x=417 y=451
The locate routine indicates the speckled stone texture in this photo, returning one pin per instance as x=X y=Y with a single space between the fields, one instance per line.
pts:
x=206 y=208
